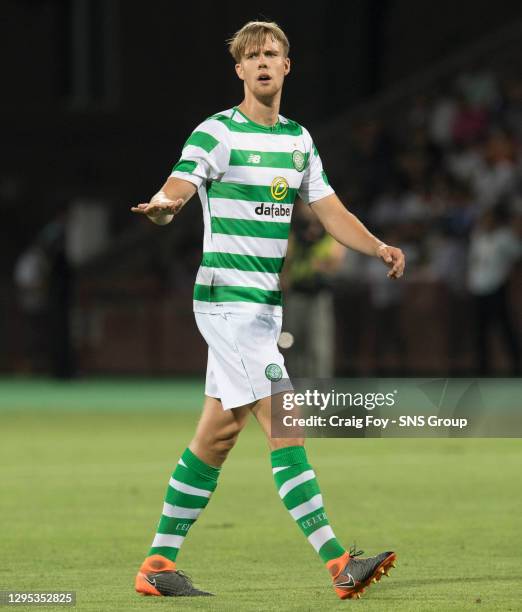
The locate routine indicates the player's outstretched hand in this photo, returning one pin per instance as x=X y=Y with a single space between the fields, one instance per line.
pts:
x=393 y=258
x=158 y=208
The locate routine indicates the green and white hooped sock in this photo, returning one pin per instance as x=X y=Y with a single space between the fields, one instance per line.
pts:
x=299 y=490
x=189 y=491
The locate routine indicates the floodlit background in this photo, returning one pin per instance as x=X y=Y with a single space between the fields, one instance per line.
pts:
x=416 y=110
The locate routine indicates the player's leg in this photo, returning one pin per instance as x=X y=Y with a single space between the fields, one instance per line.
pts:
x=217 y=431
x=196 y=475
x=188 y=493
x=299 y=490
x=298 y=487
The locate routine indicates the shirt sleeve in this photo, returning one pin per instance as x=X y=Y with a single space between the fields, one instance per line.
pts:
x=314 y=185
x=205 y=155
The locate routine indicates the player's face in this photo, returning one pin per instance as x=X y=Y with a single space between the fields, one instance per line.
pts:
x=263 y=70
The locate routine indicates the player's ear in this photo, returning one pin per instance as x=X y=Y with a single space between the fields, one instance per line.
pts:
x=239 y=72
x=287 y=65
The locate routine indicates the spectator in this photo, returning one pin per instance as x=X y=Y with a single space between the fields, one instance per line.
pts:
x=31 y=276
x=314 y=257
x=494 y=249
x=43 y=275
x=388 y=346
x=511 y=115
x=470 y=123
x=441 y=120
x=494 y=178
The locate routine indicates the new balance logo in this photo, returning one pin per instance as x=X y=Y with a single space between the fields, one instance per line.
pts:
x=254 y=159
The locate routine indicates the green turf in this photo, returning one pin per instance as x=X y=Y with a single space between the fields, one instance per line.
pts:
x=81 y=493
x=119 y=394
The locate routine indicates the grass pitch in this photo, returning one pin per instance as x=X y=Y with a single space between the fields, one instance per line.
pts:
x=81 y=493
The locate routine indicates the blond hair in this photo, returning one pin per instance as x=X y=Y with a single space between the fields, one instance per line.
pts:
x=253 y=35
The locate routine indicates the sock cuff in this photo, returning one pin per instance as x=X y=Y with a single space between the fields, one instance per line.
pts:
x=195 y=463
x=289 y=455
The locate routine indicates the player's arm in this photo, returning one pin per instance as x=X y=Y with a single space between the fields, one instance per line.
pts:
x=204 y=157
x=169 y=200
x=349 y=231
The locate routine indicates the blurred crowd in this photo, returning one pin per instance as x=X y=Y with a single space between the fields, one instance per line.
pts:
x=441 y=176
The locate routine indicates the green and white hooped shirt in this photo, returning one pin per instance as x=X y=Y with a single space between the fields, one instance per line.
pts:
x=248 y=177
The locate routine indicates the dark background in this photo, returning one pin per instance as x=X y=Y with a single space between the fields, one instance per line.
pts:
x=98 y=97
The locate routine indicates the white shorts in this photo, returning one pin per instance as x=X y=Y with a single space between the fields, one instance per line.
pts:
x=244 y=362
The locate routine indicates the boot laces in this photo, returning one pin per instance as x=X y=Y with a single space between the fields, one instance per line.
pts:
x=353 y=552
x=185 y=576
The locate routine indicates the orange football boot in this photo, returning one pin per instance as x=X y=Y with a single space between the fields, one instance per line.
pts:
x=159 y=576
x=351 y=576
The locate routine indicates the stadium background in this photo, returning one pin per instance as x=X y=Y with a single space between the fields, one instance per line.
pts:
x=416 y=109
